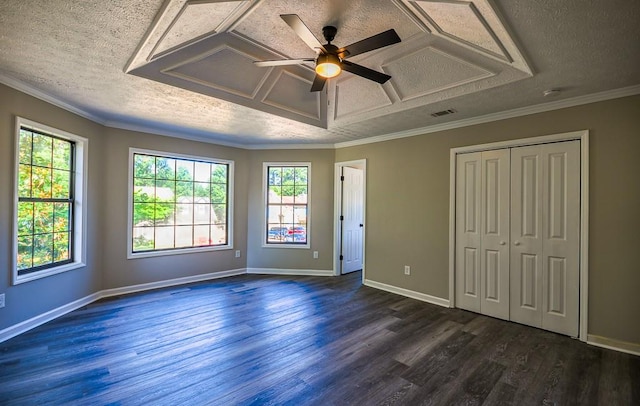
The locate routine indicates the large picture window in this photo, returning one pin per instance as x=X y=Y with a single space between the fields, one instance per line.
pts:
x=48 y=222
x=287 y=204
x=178 y=203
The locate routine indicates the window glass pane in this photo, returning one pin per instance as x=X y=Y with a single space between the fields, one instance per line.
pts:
x=42 y=150
x=165 y=191
x=42 y=249
x=301 y=176
x=24 y=180
x=184 y=213
x=184 y=236
x=61 y=212
x=61 y=248
x=25 y=147
x=275 y=176
x=61 y=154
x=60 y=187
x=184 y=170
x=218 y=193
x=144 y=214
x=184 y=192
x=202 y=172
x=219 y=234
x=300 y=193
x=275 y=194
x=143 y=190
x=300 y=214
x=201 y=235
x=43 y=217
x=202 y=191
x=202 y=214
x=25 y=218
x=165 y=213
x=164 y=237
x=25 y=252
x=219 y=215
x=219 y=173
x=143 y=238
x=165 y=168
x=288 y=176
x=41 y=182
x=144 y=166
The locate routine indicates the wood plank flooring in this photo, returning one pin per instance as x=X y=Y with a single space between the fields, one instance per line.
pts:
x=270 y=340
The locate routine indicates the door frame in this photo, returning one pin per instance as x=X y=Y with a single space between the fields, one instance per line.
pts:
x=583 y=137
x=337 y=237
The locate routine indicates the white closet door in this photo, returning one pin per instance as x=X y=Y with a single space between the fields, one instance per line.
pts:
x=561 y=237
x=526 y=235
x=468 y=216
x=545 y=235
x=494 y=274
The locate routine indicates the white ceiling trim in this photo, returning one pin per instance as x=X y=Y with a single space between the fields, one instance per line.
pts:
x=519 y=112
x=523 y=111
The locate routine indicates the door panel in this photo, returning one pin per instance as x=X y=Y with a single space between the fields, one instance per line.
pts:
x=468 y=185
x=352 y=204
x=494 y=274
x=561 y=242
x=526 y=242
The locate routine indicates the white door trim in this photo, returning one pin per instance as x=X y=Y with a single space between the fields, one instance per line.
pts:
x=583 y=137
x=362 y=164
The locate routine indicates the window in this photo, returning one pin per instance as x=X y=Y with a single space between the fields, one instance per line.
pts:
x=178 y=203
x=287 y=204
x=49 y=189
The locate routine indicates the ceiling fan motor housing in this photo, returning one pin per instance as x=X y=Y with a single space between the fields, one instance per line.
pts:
x=329 y=32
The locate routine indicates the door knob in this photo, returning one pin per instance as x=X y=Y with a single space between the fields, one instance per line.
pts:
x=502 y=243
x=361 y=225
x=516 y=243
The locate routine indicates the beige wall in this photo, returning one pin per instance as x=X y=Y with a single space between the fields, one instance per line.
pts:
x=321 y=207
x=118 y=271
x=408 y=205
x=34 y=298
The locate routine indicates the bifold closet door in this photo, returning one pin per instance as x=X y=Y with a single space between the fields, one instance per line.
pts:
x=545 y=236
x=482 y=232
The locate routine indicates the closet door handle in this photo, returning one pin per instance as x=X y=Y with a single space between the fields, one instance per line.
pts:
x=502 y=243
x=516 y=243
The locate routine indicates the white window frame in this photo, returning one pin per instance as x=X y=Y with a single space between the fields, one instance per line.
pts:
x=177 y=251
x=79 y=206
x=265 y=190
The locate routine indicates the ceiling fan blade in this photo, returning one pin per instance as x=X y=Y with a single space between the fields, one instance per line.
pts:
x=365 y=72
x=302 y=31
x=282 y=62
x=369 y=44
x=318 y=83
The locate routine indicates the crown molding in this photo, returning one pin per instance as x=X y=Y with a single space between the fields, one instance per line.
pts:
x=39 y=94
x=189 y=135
x=519 y=112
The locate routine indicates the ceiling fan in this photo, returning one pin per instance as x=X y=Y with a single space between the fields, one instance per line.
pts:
x=331 y=60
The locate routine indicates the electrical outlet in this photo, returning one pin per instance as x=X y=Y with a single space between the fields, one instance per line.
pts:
x=237 y=253
x=315 y=254
x=2 y=300
x=407 y=270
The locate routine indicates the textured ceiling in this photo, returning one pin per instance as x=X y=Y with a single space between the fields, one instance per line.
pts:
x=479 y=57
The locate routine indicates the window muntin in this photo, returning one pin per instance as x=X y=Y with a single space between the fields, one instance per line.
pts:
x=45 y=215
x=287 y=204
x=178 y=203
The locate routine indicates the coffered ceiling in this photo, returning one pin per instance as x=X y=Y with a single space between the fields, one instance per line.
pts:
x=185 y=67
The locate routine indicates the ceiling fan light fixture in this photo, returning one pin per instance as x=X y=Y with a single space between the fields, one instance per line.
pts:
x=328 y=66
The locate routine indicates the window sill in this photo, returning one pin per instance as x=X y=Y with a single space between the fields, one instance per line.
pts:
x=181 y=251
x=18 y=279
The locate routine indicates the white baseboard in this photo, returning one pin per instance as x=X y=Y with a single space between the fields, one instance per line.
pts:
x=408 y=293
x=297 y=272
x=611 y=344
x=171 y=282
x=40 y=319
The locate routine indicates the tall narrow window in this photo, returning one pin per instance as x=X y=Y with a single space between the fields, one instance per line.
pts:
x=178 y=203
x=47 y=221
x=287 y=204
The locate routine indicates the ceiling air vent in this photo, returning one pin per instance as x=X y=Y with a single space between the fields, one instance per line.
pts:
x=443 y=113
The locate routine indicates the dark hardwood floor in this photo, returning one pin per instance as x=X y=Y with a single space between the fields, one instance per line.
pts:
x=256 y=340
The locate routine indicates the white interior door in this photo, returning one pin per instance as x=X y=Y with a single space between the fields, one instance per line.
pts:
x=545 y=232
x=468 y=234
x=353 y=221
x=494 y=241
